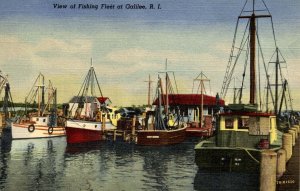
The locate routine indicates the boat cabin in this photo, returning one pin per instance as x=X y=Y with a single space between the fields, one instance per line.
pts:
x=246 y=129
x=87 y=105
x=43 y=121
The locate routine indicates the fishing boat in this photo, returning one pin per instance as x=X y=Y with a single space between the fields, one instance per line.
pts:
x=167 y=128
x=244 y=130
x=42 y=123
x=90 y=115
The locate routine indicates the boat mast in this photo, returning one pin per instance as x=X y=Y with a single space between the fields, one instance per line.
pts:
x=43 y=93
x=39 y=86
x=149 y=89
x=252 y=31
x=167 y=97
x=202 y=97
x=276 y=82
x=252 y=58
x=92 y=78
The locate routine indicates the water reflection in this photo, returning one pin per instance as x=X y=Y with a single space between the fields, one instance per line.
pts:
x=30 y=164
x=82 y=147
x=51 y=164
x=207 y=181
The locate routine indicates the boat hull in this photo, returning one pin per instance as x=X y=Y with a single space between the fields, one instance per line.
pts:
x=209 y=157
x=79 y=131
x=198 y=132
x=160 y=137
x=228 y=159
x=21 y=131
x=78 y=135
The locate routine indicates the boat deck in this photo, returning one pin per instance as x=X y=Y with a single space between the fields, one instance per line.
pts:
x=291 y=178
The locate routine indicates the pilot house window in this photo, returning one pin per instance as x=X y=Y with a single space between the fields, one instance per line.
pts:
x=243 y=123
x=229 y=123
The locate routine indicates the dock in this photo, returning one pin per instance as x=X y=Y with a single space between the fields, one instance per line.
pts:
x=291 y=178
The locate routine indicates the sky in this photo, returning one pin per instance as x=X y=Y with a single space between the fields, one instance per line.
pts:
x=127 y=45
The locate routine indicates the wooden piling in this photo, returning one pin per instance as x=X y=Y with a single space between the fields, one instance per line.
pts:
x=133 y=125
x=298 y=128
x=268 y=170
x=296 y=132
x=287 y=145
x=103 y=122
x=124 y=135
x=293 y=137
x=115 y=135
x=281 y=162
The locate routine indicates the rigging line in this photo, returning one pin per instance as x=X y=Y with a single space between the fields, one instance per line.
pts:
x=239 y=53
x=266 y=69
x=259 y=72
x=169 y=85
x=285 y=100
x=273 y=32
x=270 y=61
x=81 y=89
x=175 y=83
x=274 y=36
x=92 y=83
x=266 y=7
x=245 y=69
x=223 y=90
x=32 y=88
x=244 y=7
x=209 y=83
x=12 y=102
x=228 y=76
x=287 y=71
x=281 y=55
x=33 y=96
x=156 y=95
x=281 y=75
x=85 y=93
x=98 y=85
x=290 y=96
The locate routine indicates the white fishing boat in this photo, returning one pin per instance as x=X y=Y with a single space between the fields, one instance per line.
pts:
x=43 y=123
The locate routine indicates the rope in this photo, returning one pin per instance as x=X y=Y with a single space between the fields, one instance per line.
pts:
x=249 y=154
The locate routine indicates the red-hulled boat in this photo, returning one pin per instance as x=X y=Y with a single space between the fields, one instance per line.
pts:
x=166 y=129
x=160 y=137
x=90 y=115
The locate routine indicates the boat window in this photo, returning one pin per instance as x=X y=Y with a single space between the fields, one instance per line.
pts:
x=44 y=120
x=37 y=119
x=243 y=123
x=229 y=123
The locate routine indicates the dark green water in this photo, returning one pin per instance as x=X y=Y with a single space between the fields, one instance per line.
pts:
x=51 y=164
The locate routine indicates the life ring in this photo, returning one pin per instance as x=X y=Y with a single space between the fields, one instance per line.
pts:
x=31 y=128
x=50 y=130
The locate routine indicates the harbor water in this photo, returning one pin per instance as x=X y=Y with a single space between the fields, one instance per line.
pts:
x=51 y=164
